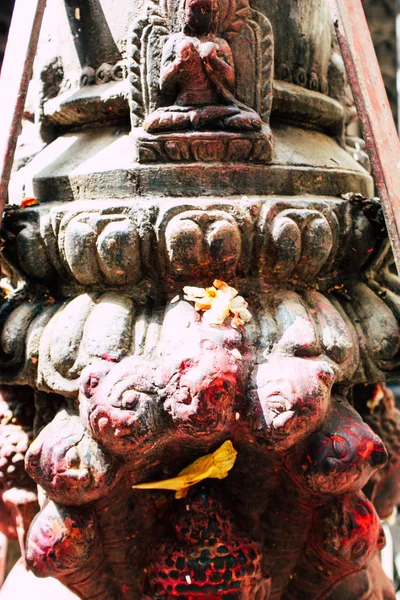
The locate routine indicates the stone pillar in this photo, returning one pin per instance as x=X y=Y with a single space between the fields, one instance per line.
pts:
x=202 y=264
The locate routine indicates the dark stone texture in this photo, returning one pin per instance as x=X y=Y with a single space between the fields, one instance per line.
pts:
x=223 y=175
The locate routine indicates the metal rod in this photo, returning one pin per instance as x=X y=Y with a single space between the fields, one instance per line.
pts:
x=398 y=61
x=14 y=81
x=379 y=130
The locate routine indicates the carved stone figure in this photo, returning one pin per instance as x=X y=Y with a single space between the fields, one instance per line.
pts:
x=180 y=287
x=198 y=73
x=343 y=538
x=204 y=82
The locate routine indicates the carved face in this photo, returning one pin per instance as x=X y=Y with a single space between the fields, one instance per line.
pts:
x=61 y=538
x=69 y=464
x=119 y=404
x=347 y=531
x=342 y=455
x=201 y=395
x=201 y=372
x=201 y=16
x=293 y=396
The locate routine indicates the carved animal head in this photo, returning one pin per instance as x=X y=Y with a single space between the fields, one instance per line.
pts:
x=341 y=456
x=347 y=532
x=118 y=402
x=69 y=464
x=202 y=372
x=201 y=394
x=60 y=540
x=292 y=395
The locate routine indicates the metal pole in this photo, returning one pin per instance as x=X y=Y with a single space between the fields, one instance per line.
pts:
x=379 y=130
x=398 y=61
x=16 y=73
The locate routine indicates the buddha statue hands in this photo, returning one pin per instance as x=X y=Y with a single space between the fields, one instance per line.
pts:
x=198 y=76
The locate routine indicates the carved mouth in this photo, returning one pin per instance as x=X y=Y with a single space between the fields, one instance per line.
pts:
x=283 y=418
x=279 y=412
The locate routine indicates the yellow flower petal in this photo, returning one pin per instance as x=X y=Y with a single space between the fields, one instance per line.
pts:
x=214 y=466
x=225 y=288
x=211 y=292
x=200 y=304
x=219 y=302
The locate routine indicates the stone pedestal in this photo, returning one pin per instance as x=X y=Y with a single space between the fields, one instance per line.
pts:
x=204 y=147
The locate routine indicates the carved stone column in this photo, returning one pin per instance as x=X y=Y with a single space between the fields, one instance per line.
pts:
x=197 y=144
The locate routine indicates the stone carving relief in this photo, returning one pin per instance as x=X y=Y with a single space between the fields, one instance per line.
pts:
x=103 y=74
x=141 y=385
x=18 y=501
x=132 y=377
x=118 y=373
x=128 y=412
x=298 y=240
x=201 y=66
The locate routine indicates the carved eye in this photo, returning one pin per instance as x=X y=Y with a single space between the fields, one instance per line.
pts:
x=326 y=375
x=359 y=548
x=93 y=381
x=381 y=542
x=130 y=399
x=91 y=384
x=340 y=446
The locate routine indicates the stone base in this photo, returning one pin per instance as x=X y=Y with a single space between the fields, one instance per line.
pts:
x=204 y=146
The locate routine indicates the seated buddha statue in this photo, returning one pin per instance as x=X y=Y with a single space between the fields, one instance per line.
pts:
x=197 y=77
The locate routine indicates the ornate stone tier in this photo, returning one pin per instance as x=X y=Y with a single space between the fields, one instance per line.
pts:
x=88 y=463
x=47 y=343
x=76 y=87
x=204 y=147
x=99 y=165
x=112 y=243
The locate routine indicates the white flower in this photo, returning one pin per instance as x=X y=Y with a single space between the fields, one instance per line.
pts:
x=219 y=302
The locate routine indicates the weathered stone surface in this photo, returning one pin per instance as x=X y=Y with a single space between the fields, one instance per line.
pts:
x=205 y=147
x=224 y=175
x=98 y=165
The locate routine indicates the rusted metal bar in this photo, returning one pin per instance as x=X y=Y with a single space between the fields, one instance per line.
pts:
x=373 y=108
x=14 y=81
x=398 y=62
